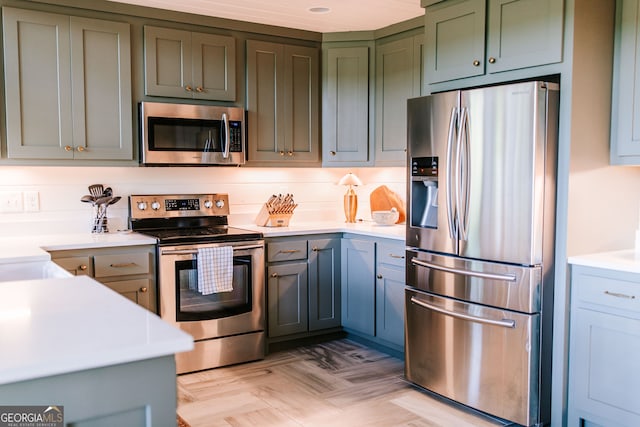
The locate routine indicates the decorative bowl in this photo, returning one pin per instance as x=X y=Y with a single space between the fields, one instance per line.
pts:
x=385 y=217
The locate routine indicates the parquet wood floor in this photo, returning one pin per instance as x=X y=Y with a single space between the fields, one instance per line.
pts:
x=337 y=383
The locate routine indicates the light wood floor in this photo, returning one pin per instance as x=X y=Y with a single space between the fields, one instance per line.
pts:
x=338 y=383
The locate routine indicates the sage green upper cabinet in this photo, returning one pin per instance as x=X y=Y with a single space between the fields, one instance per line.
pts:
x=184 y=64
x=67 y=86
x=454 y=33
x=398 y=74
x=519 y=34
x=282 y=104
x=625 y=114
x=345 y=114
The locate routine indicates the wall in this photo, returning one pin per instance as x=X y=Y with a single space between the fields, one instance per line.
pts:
x=60 y=189
x=604 y=200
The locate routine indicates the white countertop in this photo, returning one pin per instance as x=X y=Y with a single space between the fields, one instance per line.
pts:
x=625 y=260
x=55 y=326
x=34 y=248
x=367 y=228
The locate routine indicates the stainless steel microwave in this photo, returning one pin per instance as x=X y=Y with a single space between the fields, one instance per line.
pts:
x=187 y=134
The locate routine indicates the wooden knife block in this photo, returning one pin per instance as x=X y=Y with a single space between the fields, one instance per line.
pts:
x=265 y=219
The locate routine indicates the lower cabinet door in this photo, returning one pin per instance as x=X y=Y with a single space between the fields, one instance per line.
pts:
x=358 y=285
x=324 y=284
x=138 y=290
x=390 y=304
x=287 y=298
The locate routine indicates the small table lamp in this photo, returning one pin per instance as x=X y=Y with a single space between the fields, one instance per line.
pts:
x=350 y=197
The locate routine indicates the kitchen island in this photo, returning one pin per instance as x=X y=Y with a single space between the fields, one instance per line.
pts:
x=74 y=342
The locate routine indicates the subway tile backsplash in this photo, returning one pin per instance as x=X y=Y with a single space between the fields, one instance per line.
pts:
x=316 y=191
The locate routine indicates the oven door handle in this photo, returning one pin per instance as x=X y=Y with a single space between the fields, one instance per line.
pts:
x=480 y=274
x=505 y=323
x=195 y=251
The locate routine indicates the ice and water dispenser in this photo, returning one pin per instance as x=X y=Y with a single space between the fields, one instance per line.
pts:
x=424 y=192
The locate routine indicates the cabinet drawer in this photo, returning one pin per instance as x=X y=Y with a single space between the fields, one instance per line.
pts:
x=615 y=293
x=390 y=254
x=121 y=264
x=286 y=251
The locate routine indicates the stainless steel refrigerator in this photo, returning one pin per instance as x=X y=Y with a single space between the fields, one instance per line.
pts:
x=480 y=238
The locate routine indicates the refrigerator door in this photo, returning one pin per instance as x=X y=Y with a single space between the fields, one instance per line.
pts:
x=483 y=357
x=432 y=125
x=502 y=164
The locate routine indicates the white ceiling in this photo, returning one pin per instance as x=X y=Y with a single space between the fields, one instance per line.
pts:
x=344 y=15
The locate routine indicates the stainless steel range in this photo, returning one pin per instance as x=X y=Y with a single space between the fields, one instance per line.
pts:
x=210 y=276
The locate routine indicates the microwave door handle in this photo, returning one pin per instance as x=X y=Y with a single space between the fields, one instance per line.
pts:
x=227 y=137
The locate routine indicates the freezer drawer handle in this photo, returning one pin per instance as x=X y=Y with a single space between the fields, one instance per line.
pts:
x=506 y=323
x=480 y=274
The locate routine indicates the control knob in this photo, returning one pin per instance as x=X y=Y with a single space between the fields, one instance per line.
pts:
x=142 y=205
x=155 y=206
x=208 y=204
x=219 y=204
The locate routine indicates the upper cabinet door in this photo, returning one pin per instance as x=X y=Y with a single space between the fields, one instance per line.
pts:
x=167 y=55
x=265 y=92
x=182 y=64
x=102 y=108
x=523 y=33
x=625 y=105
x=394 y=85
x=455 y=33
x=345 y=117
x=37 y=85
x=213 y=66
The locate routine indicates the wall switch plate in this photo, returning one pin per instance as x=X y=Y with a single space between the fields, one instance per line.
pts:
x=10 y=201
x=31 y=201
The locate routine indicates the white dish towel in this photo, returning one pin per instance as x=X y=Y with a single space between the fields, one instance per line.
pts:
x=215 y=270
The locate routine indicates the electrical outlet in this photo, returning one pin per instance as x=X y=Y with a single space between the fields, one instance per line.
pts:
x=10 y=201
x=31 y=201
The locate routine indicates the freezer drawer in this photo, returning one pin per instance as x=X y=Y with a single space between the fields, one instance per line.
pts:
x=495 y=284
x=482 y=357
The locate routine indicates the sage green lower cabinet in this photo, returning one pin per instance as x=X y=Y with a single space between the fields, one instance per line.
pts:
x=373 y=280
x=604 y=377
x=303 y=286
x=128 y=270
x=358 y=285
x=135 y=394
x=390 y=281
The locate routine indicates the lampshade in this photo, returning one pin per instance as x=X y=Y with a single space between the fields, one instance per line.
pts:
x=350 y=179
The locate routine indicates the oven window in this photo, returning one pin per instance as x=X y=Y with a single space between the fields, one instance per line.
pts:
x=170 y=134
x=192 y=305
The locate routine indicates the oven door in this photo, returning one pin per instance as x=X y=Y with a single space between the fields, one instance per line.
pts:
x=217 y=314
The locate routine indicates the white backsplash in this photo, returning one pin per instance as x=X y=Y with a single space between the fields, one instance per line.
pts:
x=316 y=191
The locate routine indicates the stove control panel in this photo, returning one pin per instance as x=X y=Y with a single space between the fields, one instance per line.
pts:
x=178 y=205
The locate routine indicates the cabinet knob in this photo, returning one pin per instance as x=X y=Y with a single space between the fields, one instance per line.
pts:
x=68 y=148
x=333 y=153
x=281 y=153
x=82 y=267
x=143 y=289
x=81 y=148
x=188 y=88
x=476 y=63
x=289 y=153
x=492 y=60
x=199 y=89
x=314 y=249
x=379 y=276
x=274 y=275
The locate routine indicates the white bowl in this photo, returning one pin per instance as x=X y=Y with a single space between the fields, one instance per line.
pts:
x=385 y=217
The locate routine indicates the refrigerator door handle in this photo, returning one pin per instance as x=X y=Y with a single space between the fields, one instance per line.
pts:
x=451 y=221
x=463 y=180
x=505 y=323
x=479 y=274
